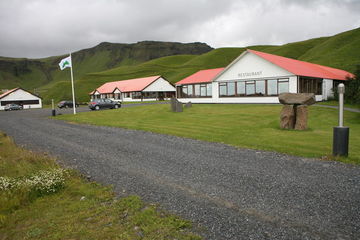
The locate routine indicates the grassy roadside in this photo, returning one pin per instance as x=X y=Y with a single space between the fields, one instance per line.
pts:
x=249 y=126
x=336 y=103
x=68 y=207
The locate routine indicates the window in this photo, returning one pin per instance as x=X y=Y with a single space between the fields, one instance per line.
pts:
x=184 y=92
x=231 y=89
x=240 y=88
x=272 y=87
x=149 y=95
x=250 y=87
x=260 y=88
x=209 y=89
x=190 y=91
x=197 y=90
x=203 y=90
x=194 y=90
x=283 y=85
x=223 y=89
x=310 y=85
x=136 y=95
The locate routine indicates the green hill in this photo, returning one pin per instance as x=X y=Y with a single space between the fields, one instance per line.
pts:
x=339 y=51
x=42 y=74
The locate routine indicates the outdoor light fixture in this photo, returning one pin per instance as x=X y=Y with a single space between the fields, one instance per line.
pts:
x=341 y=133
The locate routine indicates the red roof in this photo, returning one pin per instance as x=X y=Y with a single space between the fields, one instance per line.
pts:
x=301 y=68
x=132 y=85
x=202 y=76
x=8 y=92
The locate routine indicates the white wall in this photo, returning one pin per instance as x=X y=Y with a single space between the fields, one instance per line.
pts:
x=19 y=95
x=160 y=85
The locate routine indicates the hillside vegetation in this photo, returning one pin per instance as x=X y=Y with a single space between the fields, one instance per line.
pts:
x=42 y=74
x=339 y=51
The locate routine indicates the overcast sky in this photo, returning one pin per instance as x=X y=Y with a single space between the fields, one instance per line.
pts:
x=41 y=28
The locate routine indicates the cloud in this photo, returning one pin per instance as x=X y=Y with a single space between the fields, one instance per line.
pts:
x=40 y=28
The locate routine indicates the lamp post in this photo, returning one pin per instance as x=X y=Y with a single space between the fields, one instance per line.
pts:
x=341 y=133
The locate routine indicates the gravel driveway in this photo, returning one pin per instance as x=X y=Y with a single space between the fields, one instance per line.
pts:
x=229 y=193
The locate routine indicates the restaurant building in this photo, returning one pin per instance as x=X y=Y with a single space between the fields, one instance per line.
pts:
x=258 y=77
x=140 y=89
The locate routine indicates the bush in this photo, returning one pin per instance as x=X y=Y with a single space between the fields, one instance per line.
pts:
x=352 y=89
x=15 y=192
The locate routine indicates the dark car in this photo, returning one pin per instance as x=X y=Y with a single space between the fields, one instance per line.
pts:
x=66 y=104
x=12 y=106
x=103 y=103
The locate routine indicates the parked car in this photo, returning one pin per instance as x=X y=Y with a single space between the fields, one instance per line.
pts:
x=12 y=106
x=98 y=104
x=66 y=104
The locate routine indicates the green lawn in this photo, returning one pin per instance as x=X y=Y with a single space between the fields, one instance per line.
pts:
x=249 y=126
x=336 y=103
x=78 y=209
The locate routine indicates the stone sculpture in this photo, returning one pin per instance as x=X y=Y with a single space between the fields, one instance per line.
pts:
x=176 y=106
x=294 y=113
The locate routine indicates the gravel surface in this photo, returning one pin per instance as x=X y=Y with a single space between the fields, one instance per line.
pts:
x=229 y=193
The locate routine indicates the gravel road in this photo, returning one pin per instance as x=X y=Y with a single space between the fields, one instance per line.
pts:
x=229 y=193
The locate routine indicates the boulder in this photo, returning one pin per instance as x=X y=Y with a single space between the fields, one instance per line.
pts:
x=301 y=117
x=188 y=105
x=287 y=117
x=297 y=98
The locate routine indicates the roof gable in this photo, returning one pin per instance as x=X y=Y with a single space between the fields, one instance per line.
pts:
x=302 y=68
x=8 y=92
x=15 y=90
x=250 y=66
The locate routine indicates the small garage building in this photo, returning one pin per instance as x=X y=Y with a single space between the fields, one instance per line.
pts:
x=258 y=77
x=139 y=89
x=22 y=97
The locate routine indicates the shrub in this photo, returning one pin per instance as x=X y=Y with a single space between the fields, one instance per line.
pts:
x=15 y=192
x=352 y=89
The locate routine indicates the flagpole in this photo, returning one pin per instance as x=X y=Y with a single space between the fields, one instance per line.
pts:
x=72 y=85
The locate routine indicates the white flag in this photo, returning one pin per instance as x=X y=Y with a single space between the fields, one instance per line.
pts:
x=66 y=62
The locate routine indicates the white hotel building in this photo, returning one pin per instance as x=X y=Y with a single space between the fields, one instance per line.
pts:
x=139 y=89
x=257 y=77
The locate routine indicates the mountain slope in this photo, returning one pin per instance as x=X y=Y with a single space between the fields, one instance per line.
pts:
x=35 y=73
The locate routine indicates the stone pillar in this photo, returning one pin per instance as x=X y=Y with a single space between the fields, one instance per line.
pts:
x=175 y=105
x=301 y=117
x=287 y=117
x=294 y=113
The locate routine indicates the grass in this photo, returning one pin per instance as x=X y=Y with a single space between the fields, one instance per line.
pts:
x=336 y=103
x=248 y=126
x=79 y=210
